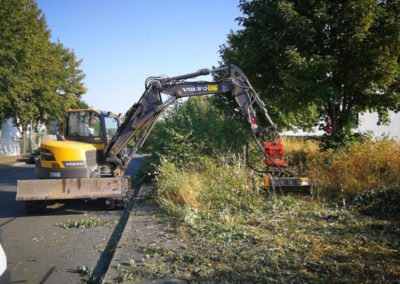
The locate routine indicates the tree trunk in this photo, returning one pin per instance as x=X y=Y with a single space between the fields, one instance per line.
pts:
x=31 y=138
x=24 y=146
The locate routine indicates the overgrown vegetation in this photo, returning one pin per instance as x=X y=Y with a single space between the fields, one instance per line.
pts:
x=362 y=166
x=232 y=230
x=194 y=128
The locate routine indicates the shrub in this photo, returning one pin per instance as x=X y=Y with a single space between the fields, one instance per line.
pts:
x=194 y=128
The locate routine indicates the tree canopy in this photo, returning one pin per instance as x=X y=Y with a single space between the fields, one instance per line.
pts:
x=312 y=59
x=38 y=78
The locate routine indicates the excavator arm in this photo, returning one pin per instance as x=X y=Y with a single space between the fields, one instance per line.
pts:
x=143 y=115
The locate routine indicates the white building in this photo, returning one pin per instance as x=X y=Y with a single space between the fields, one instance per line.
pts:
x=9 y=139
x=367 y=124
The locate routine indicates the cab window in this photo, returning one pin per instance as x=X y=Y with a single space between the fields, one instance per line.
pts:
x=83 y=124
x=111 y=126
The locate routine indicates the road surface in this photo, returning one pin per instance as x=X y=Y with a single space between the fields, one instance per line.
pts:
x=40 y=251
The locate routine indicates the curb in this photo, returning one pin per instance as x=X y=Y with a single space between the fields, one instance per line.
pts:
x=142 y=225
x=123 y=239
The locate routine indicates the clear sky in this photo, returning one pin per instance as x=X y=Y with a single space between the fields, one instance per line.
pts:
x=123 y=42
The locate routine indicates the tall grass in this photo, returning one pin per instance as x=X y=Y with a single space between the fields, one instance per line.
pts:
x=225 y=185
x=360 y=167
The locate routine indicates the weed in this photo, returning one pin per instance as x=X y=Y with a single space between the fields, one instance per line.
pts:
x=86 y=275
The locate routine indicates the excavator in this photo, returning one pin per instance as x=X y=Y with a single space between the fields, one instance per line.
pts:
x=90 y=159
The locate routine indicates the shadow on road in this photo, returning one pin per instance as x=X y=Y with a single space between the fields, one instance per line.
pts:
x=16 y=209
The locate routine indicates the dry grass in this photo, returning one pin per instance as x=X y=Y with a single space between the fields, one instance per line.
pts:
x=361 y=167
x=315 y=245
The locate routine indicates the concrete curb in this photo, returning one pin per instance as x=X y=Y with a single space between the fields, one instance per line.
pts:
x=143 y=227
x=108 y=277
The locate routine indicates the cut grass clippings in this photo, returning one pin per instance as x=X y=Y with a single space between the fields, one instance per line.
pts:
x=85 y=222
x=286 y=240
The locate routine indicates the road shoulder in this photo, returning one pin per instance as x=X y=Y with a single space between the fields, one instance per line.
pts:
x=143 y=233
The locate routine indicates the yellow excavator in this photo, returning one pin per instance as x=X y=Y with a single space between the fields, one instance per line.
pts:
x=89 y=160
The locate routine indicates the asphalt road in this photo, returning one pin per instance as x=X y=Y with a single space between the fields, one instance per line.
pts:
x=40 y=251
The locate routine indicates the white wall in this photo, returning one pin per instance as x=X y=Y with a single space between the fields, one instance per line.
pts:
x=367 y=122
x=9 y=145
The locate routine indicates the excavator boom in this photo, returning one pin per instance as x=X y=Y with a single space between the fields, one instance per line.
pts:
x=150 y=106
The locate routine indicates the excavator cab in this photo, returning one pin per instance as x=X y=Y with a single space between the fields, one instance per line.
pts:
x=90 y=126
x=84 y=126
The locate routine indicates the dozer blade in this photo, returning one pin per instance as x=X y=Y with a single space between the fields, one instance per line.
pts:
x=78 y=188
x=285 y=185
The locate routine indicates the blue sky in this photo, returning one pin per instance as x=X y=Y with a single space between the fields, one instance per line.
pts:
x=123 y=42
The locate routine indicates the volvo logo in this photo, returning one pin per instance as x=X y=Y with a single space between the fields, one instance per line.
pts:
x=73 y=164
x=195 y=89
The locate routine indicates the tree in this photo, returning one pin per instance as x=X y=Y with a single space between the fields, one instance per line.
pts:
x=312 y=59
x=38 y=78
x=65 y=85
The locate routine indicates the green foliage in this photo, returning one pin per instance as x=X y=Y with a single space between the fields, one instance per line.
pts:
x=311 y=59
x=196 y=127
x=224 y=186
x=381 y=203
x=38 y=78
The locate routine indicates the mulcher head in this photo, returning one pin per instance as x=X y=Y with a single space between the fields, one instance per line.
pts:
x=279 y=179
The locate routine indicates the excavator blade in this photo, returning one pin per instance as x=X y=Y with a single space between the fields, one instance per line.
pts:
x=78 y=188
x=291 y=185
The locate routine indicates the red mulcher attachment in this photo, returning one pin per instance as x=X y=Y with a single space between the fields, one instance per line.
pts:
x=279 y=179
x=274 y=154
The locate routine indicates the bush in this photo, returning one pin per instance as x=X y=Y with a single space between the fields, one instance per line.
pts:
x=194 y=128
